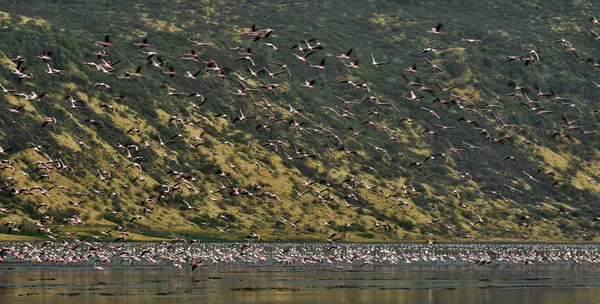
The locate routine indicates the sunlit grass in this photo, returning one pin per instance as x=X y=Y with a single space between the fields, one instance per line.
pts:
x=395 y=34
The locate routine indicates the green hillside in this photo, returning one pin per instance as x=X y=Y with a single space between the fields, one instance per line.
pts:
x=171 y=131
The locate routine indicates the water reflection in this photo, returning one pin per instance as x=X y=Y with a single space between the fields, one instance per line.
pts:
x=549 y=284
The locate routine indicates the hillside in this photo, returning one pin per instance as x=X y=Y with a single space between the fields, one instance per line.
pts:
x=380 y=126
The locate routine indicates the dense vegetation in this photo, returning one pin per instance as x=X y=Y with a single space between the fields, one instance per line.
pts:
x=298 y=163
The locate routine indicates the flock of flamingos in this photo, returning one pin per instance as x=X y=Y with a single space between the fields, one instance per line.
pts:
x=260 y=85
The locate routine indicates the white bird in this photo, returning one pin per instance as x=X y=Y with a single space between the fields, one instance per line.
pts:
x=191 y=207
x=98 y=269
x=531 y=177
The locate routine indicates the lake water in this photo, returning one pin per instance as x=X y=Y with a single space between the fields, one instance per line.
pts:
x=454 y=273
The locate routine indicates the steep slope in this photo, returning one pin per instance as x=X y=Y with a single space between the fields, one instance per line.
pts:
x=326 y=151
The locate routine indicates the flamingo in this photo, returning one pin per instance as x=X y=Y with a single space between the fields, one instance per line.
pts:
x=105 y=42
x=436 y=30
x=99 y=269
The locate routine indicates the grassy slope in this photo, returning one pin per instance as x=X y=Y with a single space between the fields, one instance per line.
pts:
x=392 y=32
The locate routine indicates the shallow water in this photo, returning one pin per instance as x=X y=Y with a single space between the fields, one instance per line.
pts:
x=422 y=284
x=381 y=282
